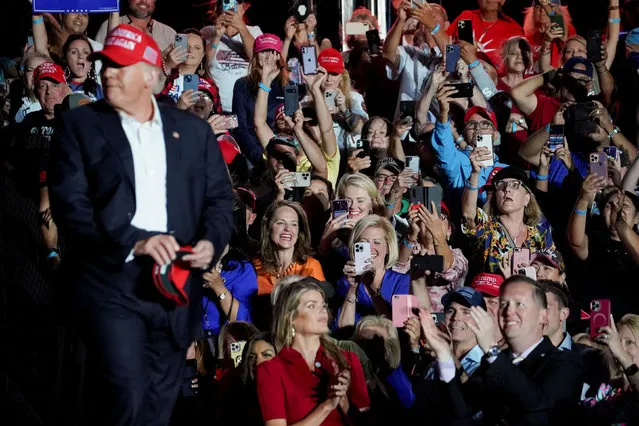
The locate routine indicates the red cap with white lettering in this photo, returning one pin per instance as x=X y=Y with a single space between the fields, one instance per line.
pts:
x=127 y=45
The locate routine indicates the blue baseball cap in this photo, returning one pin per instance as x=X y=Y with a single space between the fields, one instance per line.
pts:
x=465 y=296
x=570 y=64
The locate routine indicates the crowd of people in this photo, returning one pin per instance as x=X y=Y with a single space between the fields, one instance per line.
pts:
x=441 y=227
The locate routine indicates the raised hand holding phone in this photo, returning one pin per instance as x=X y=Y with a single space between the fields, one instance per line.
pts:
x=479 y=157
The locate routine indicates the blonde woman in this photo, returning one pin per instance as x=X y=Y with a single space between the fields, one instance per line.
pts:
x=363 y=199
x=515 y=222
x=311 y=381
x=371 y=293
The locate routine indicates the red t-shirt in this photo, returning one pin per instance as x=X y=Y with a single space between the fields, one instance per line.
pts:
x=536 y=38
x=288 y=389
x=546 y=109
x=489 y=36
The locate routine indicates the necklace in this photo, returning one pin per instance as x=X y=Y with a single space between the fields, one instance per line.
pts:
x=287 y=271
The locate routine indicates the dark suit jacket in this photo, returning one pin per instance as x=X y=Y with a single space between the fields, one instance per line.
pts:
x=542 y=390
x=92 y=186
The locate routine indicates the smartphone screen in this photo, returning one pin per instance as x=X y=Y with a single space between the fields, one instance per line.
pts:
x=406 y=109
x=556 y=137
x=453 y=54
x=340 y=207
x=291 y=101
x=229 y=5
x=374 y=42
x=465 y=31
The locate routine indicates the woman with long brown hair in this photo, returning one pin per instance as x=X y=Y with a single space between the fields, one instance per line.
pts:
x=311 y=379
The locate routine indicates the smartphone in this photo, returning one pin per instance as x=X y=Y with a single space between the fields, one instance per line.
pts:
x=453 y=54
x=30 y=42
x=528 y=271
x=236 y=351
x=330 y=98
x=309 y=60
x=190 y=373
x=402 y=306
x=556 y=137
x=434 y=194
x=229 y=5
x=464 y=90
x=406 y=109
x=486 y=141
x=362 y=256
x=578 y=116
x=356 y=28
x=557 y=20
x=432 y=263
x=365 y=146
x=593 y=45
x=291 y=100
x=339 y=207
x=301 y=11
x=418 y=196
x=191 y=82
x=465 y=31
x=521 y=256
x=600 y=310
x=374 y=42
x=612 y=152
x=412 y=163
x=182 y=40
x=302 y=180
x=230 y=122
x=438 y=317
x=599 y=164
x=295 y=71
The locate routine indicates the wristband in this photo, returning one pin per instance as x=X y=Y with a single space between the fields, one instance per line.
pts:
x=613 y=132
x=407 y=244
x=581 y=212
x=264 y=87
x=459 y=140
x=38 y=20
x=416 y=351
x=615 y=20
x=474 y=64
x=390 y=206
x=513 y=127
x=471 y=187
x=542 y=177
x=311 y=35
x=435 y=30
x=613 y=8
x=52 y=254
x=213 y=45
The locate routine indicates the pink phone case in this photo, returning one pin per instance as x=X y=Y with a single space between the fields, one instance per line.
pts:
x=598 y=164
x=402 y=308
x=600 y=310
x=521 y=256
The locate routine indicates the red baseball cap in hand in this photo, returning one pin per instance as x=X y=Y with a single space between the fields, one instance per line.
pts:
x=127 y=45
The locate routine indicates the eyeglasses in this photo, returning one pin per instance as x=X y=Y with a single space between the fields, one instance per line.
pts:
x=482 y=125
x=383 y=178
x=512 y=184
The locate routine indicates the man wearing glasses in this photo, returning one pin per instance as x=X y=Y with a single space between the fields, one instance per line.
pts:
x=455 y=163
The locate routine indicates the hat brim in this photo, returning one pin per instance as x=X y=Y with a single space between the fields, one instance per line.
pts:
x=538 y=257
x=487 y=290
x=449 y=298
x=50 y=78
x=118 y=57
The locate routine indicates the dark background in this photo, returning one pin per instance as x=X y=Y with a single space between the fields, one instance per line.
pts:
x=39 y=378
x=270 y=15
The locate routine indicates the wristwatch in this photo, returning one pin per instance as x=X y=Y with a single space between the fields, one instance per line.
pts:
x=493 y=351
x=613 y=132
x=223 y=295
x=631 y=371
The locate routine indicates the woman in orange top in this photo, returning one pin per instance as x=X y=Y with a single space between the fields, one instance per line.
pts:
x=285 y=247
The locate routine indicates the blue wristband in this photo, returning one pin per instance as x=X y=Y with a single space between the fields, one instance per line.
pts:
x=474 y=64
x=407 y=244
x=542 y=177
x=581 y=212
x=52 y=254
x=435 y=30
x=38 y=20
x=213 y=45
x=264 y=87
x=390 y=206
x=471 y=187
x=615 y=20
x=513 y=127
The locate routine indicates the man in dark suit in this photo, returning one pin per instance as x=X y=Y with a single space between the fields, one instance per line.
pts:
x=131 y=181
x=530 y=382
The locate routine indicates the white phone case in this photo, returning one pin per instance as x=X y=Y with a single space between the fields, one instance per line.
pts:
x=330 y=98
x=412 y=163
x=302 y=179
x=362 y=256
x=486 y=141
x=356 y=28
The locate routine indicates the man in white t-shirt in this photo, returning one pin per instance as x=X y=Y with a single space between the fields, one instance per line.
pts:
x=230 y=49
x=413 y=64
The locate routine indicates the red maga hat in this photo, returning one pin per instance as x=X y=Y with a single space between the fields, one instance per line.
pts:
x=127 y=45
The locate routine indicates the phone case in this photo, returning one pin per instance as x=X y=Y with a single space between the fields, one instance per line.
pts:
x=521 y=256
x=464 y=90
x=412 y=163
x=486 y=141
x=236 y=351
x=612 y=152
x=365 y=146
x=453 y=54
x=528 y=271
x=356 y=28
x=600 y=310
x=406 y=109
x=402 y=306
x=330 y=98
x=558 y=19
x=593 y=46
x=339 y=207
x=465 y=31
x=301 y=11
x=229 y=5
x=191 y=82
x=182 y=40
x=291 y=100
x=231 y=122
x=362 y=256
x=556 y=137
x=599 y=164
x=374 y=42
x=432 y=263
x=434 y=194
x=309 y=60
x=302 y=180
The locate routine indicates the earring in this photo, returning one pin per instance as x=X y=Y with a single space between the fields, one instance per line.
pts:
x=67 y=72
x=292 y=331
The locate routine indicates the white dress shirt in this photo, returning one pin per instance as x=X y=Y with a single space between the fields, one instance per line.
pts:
x=149 y=165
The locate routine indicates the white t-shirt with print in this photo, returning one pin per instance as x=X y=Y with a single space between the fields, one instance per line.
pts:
x=230 y=64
